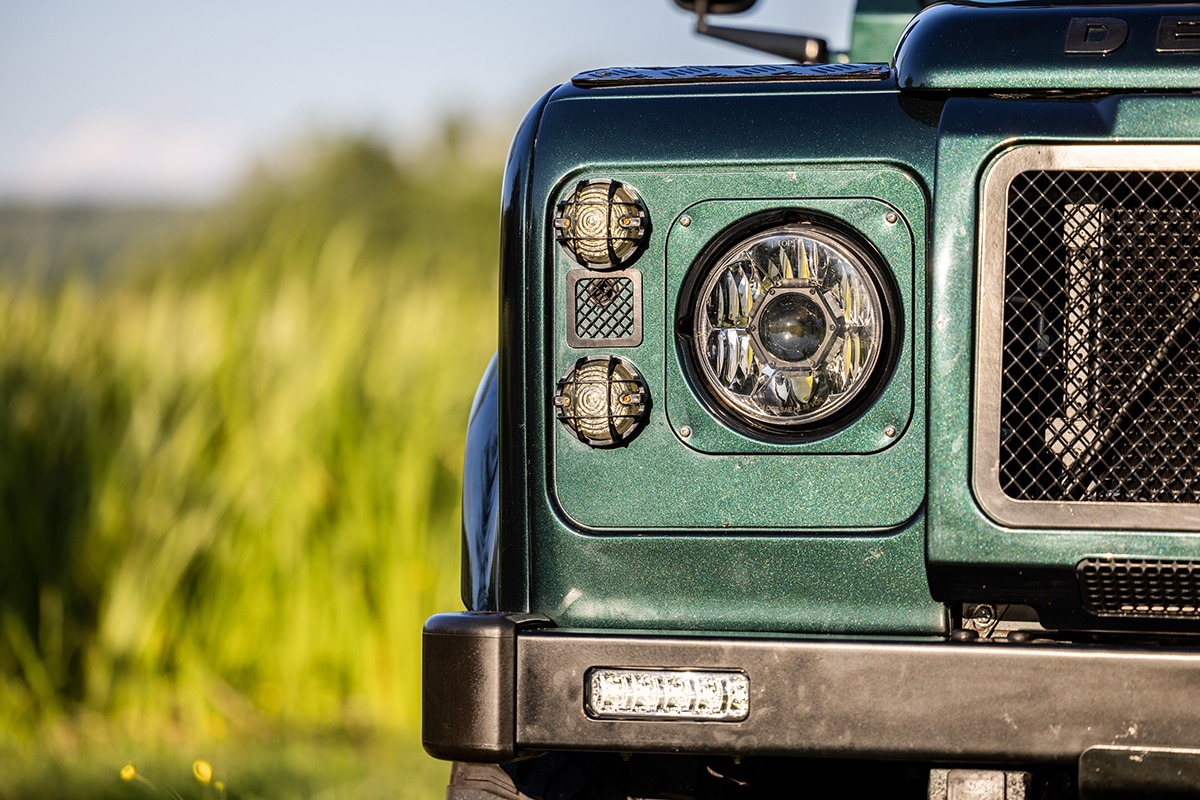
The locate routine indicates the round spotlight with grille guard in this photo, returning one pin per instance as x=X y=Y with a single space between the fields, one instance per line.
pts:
x=602 y=223
x=790 y=329
x=602 y=400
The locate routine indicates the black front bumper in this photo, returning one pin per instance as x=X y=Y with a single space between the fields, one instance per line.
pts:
x=497 y=686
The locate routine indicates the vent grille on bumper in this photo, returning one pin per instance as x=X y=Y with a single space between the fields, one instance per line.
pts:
x=1100 y=377
x=1125 y=587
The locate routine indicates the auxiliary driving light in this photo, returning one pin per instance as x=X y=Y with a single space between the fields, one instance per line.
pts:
x=602 y=223
x=602 y=400
x=666 y=694
x=788 y=327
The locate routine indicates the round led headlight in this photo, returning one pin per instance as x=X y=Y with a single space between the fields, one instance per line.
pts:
x=602 y=400
x=601 y=223
x=789 y=328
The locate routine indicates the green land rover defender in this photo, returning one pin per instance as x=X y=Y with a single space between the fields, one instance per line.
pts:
x=844 y=434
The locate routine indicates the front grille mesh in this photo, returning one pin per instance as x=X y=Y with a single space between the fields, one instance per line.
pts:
x=1100 y=390
x=1128 y=587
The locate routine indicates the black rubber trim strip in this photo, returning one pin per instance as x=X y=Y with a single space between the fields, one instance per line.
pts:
x=757 y=73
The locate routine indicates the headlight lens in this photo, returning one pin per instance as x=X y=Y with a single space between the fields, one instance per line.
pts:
x=789 y=326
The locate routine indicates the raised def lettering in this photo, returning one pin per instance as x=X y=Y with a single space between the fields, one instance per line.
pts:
x=1179 y=35
x=1097 y=36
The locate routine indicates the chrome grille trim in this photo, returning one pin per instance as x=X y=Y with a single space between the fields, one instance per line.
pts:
x=1056 y=512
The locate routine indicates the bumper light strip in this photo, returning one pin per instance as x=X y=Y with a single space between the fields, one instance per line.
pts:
x=666 y=694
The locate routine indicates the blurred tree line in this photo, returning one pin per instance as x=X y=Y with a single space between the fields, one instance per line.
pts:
x=229 y=473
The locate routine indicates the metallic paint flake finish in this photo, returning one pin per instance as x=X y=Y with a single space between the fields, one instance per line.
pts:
x=712 y=533
x=1047 y=48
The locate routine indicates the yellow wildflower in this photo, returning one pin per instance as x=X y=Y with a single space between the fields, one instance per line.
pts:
x=128 y=772
x=202 y=770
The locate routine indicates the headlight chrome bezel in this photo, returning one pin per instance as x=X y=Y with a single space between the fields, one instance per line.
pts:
x=788 y=357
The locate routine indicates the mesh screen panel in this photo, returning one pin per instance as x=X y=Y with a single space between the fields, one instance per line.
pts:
x=1127 y=587
x=1100 y=390
x=604 y=308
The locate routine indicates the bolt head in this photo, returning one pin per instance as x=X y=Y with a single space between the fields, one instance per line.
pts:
x=983 y=614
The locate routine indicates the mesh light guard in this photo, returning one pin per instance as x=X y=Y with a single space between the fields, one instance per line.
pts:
x=602 y=223
x=602 y=400
x=604 y=309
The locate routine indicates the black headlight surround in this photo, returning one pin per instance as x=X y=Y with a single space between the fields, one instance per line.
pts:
x=873 y=265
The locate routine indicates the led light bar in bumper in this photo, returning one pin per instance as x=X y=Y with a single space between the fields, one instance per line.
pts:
x=497 y=686
x=667 y=694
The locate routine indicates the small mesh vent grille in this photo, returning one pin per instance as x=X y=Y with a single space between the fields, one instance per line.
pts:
x=1113 y=587
x=1100 y=391
x=604 y=308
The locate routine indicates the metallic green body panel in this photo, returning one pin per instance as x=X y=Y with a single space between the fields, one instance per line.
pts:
x=877 y=27
x=735 y=582
x=512 y=533
x=998 y=48
x=739 y=541
x=772 y=486
x=966 y=548
x=875 y=35
x=837 y=194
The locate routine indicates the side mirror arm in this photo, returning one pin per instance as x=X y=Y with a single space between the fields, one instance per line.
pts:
x=798 y=47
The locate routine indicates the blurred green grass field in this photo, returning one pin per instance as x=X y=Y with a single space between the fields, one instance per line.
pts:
x=229 y=481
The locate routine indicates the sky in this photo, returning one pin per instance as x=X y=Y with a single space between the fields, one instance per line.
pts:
x=132 y=101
